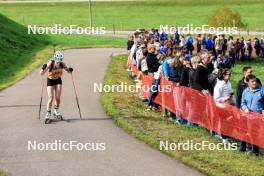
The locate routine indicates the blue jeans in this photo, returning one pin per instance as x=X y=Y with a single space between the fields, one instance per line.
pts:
x=232 y=56
x=153 y=91
x=181 y=120
x=249 y=55
x=243 y=148
x=243 y=56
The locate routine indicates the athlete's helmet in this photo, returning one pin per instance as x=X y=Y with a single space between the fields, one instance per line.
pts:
x=58 y=56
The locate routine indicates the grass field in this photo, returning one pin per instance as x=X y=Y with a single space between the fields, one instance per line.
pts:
x=129 y=112
x=132 y=15
x=21 y=53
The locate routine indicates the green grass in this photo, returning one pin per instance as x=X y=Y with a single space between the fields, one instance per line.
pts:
x=129 y=112
x=132 y=15
x=18 y=51
x=21 y=53
x=258 y=70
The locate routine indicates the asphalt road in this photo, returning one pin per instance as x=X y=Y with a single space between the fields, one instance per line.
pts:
x=123 y=156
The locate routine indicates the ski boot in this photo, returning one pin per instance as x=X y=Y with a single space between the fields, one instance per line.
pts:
x=48 y=117
x=57 y=114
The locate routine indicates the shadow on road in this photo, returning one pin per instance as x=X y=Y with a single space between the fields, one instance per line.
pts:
x=72 y=120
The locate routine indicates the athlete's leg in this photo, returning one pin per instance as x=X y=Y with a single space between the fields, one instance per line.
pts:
x=58 y=89
x=50 y=90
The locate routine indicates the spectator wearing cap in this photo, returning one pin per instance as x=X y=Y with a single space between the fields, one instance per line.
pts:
x=252 y=101
x=189 y=44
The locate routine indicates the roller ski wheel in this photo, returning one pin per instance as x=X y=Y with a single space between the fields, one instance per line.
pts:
x=47 y=121
x=58 y=117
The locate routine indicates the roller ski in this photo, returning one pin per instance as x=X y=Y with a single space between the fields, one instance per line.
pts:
x=57 y=115
x=48 y=118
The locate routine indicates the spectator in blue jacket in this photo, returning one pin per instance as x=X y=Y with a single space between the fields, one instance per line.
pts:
x=177 y=37
x=164 y=48
x=253 y=101
x=189 y=44
x=167 y=67
x=163 y=37
x=209 y=43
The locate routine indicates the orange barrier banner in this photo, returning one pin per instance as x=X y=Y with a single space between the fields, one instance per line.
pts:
x=201 y=109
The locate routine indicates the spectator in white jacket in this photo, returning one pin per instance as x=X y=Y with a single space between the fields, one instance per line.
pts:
x=223 y=93
x=223 y=90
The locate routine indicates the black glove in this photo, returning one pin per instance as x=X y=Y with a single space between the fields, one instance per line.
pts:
x=70 y=69
x=44 y=66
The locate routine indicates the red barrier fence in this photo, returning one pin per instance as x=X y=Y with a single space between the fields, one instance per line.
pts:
x=201 y=109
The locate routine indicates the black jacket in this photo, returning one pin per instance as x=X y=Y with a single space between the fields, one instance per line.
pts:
x=193 y=80
x=184 y=79
x=152 y=62
x=241 y=86
x=176 y=75
x=130 y=43
x=202 y=78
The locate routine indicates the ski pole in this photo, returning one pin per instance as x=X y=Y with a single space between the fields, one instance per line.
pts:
x=41 y=95
x=75 y=92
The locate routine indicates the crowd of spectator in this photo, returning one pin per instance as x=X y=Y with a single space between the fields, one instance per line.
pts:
x=203 y=63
